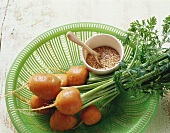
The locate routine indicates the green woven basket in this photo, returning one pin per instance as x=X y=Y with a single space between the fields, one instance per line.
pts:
x=50 y=50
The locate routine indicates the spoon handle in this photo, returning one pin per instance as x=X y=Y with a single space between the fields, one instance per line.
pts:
x=76 y=40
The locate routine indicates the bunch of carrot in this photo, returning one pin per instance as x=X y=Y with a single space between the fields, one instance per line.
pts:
x=59 y=91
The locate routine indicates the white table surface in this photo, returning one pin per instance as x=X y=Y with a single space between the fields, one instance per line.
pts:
x=21 y=21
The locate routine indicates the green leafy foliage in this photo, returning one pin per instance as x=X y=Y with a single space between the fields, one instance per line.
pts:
x=149 y=63
x=145 y=36
x=166 y=30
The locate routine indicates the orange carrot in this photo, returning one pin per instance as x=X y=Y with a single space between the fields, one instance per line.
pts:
x=77 y=75
x=62 y=122
x=37 y=102
x=46 y=86
x=63 y=78
x=91 y=115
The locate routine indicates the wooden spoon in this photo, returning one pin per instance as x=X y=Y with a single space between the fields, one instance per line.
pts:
x=76 y=40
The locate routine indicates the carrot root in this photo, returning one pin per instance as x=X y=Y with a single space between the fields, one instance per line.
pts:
x=22 y=98
x=41 y=108
x=13 y=92
x=56 y=69
x=79 y=124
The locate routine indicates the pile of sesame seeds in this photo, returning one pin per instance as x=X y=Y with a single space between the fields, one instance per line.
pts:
x=108 y=58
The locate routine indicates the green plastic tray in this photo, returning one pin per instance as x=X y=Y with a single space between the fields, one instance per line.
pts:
x=52 y=49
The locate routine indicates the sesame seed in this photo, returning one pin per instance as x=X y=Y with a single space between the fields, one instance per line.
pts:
x=108 y=58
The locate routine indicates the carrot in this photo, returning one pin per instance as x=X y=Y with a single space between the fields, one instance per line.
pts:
x=90 y=115
x=69 y=101
x=63 y=78
x=37 y=102
x=77 y=75
x=46 y=86
x=43 y=85
x=62 y=122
